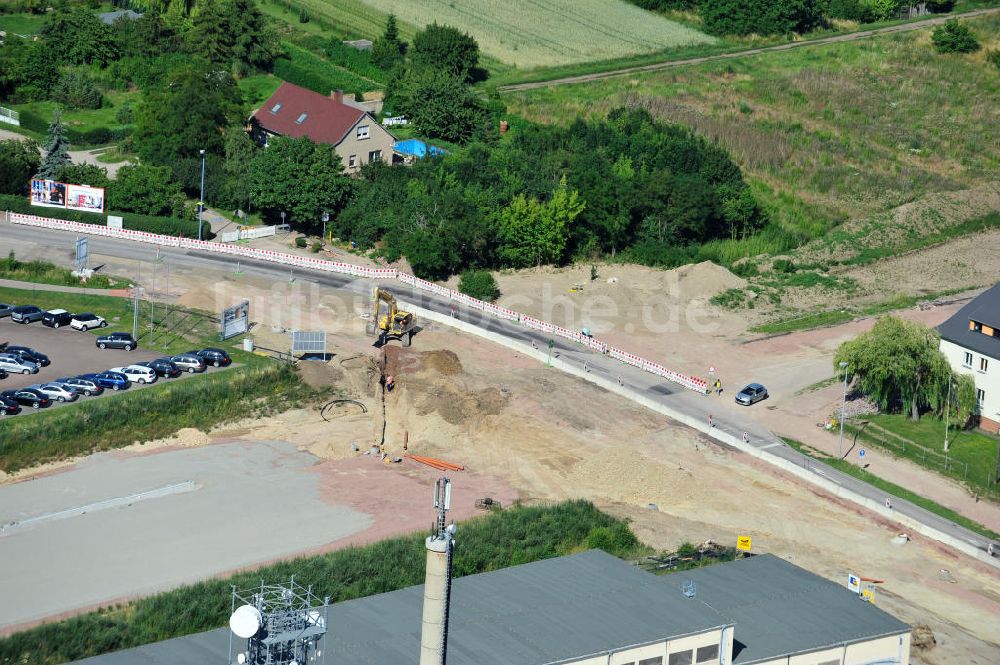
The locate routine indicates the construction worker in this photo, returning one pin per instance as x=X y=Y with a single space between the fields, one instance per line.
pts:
x=389 y=383
x=718 y=387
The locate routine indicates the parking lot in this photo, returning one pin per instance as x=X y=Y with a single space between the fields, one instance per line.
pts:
x=71 y=353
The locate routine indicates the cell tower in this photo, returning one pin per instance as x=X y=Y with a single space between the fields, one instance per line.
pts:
x=281 y=625
x=437 y=581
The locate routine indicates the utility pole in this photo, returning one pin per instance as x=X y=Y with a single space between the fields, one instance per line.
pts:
x=843 y=408
x=201 y=201
x=135 y=312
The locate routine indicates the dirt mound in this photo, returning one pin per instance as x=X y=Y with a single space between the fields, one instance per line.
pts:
x=443 y=361
x=923 y=637
x=705 y=279
x=649 y=481
x=457 y=406
x=319 y=374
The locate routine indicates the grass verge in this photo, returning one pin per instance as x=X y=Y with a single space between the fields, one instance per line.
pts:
x=43 y=272
x=498 y=540
x=892 y=488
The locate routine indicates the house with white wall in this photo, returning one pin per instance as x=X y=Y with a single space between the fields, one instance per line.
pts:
x=971 y=341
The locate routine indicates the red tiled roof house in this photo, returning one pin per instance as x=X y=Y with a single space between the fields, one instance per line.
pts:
x=296 y=112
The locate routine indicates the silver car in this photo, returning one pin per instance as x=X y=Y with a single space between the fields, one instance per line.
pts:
x=13 y=364
x=5 y=309
x=188 y=362
x=58 y=392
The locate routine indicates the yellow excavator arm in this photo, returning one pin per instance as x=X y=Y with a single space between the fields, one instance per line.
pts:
x=394 y=322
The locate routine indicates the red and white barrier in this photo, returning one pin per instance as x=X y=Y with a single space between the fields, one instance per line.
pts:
x=310 y=263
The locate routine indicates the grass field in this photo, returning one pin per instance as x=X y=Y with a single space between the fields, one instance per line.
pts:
x=22 y=24
x=536 y=33
x=827 y=133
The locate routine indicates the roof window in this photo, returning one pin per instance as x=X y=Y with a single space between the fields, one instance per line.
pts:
x=301 y=118
x=276 y=108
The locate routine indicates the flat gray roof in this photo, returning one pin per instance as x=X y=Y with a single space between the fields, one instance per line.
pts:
x=574 y=606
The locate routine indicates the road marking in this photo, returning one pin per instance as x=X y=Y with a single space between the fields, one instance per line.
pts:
x=771 y=445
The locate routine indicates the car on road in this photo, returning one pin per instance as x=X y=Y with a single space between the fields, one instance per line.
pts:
x=28 y=397
x=87 y=320
x=9 y=407
x=112 y=380
x=58 y=392
x=117 y=340
x=751 y=394
x=56 y=318
x=87 y=387
x=29 y=354
x=162 y=367
x=5 y=309
x=26 y=314
x=214 y=357
x=15 y=364
x=188 y=362
x=136 y=373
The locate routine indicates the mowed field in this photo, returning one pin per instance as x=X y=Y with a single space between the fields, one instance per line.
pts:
x=826 y=133
x=541 y=33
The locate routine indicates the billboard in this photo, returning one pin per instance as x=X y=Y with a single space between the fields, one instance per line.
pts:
x=52 y=194
x=235 y=320
x=48 y=193
x=87 y=199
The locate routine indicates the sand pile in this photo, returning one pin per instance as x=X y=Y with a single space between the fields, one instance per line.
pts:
x=625 y=476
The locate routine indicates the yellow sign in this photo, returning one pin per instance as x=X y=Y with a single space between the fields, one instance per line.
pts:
x=743 y=543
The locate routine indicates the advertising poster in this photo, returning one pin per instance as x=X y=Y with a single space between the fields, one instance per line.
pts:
x=87 y=199
x=48 y=193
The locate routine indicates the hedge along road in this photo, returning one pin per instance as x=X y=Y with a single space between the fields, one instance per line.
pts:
x=633 y=383
x=669 y=64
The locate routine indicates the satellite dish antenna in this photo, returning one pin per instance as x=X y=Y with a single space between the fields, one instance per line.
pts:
x=245 y=621
x=241 y=658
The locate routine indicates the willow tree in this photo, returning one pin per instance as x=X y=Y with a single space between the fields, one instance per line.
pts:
x=898 y=364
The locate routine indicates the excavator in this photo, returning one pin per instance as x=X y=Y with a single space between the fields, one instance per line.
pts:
x=395 y=323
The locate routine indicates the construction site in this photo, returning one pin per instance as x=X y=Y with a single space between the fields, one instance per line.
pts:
x=417 y=398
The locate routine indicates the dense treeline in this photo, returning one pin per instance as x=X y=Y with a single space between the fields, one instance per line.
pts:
x=498 y=540
x=549 y=194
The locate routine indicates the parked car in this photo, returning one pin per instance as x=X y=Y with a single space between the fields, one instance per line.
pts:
x=14 y=364
x=28 y=397
x=9 y=406
x=87 y=320
x=29 y=354
x=117 y=340
x=3 y=374
x=162 y=367
x=26 y=314
x=188 y=362
x=58 y=392
x=214 y=357
x=86 y=386
x=751 y=394
x=56 y=318
x=5 y=309
x=112 y=380
x=136 y=373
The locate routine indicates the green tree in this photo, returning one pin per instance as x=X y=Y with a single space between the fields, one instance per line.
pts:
x=147 y=190
x=186 y=113
x=238 y=165
x=762 y=17
x=28 y=69
x=18 y=161
x=954 y=37
x=233 y=33
x=439 y=105
x=77 y=90
x=301 y=178
x=532 y=233
x=449 y=50
x=898 y=364
x=964 y=404
x=479 y=284
x=83 y=174
x=76 y=36
x=388 y=50
x=56 y=148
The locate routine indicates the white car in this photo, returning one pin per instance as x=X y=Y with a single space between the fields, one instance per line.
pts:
x=87 y=320
x=136 y=373
x=58 y=392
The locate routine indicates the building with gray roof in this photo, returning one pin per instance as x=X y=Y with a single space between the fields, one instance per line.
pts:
x=971 y=341
x=592 y=608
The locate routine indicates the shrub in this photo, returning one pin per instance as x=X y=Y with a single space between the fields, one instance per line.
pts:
x=994 y=57
x=301 y=242
x=954 y=37
x=170 y=226
x=76 y=90
x=303 y=16
x=479 y=284
x=762 y=17
x=125 y=114
x=784 y=266
x=315 y=247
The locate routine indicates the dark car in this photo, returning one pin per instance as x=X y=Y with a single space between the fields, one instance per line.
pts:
x=5 y=309
x=9 y=407
x=56 y=318
x=112 y=380
x=29 y=354
x=26 y=314
x=87 y=387
x=751 y=394
x=162 y=367
x=214 y=357
x=36 y=399
x=117 y=340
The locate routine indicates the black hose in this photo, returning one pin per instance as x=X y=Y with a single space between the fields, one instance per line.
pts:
x=322 y=411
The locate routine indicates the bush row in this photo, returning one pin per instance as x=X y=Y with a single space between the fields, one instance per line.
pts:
x=169 y=226
x=305 y=69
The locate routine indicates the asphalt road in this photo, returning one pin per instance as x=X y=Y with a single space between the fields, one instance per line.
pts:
x=668 y=64
x=650 y=386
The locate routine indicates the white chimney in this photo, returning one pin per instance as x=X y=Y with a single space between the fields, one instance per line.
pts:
x=437 y=582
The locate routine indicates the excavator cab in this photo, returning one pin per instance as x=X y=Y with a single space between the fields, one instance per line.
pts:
x=389 y=321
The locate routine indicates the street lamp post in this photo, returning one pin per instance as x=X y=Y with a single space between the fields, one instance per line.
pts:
x=201 y=200
x=843 y=408
x=325 y=218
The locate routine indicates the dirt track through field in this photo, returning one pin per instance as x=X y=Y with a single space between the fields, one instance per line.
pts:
x=669 y=64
